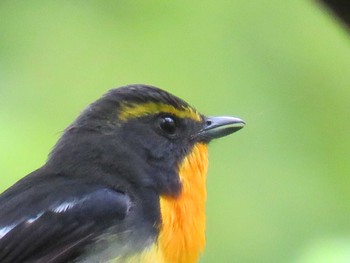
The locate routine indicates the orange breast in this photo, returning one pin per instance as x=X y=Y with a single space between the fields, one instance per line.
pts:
x=182 y=236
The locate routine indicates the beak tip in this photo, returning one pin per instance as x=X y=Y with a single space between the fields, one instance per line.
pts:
x=221 y=126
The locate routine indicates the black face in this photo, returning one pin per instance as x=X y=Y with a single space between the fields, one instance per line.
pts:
x=143 y=150
x=162 y=136
x=161 y=141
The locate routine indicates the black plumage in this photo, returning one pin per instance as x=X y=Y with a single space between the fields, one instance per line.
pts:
x=98 y=195
x=102 y=177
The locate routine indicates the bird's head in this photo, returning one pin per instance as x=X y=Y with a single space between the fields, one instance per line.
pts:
x=141 y=129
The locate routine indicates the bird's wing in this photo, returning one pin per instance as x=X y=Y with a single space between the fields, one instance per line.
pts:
x=54 y=221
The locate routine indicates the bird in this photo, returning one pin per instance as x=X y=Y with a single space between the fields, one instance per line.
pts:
x=126 y=182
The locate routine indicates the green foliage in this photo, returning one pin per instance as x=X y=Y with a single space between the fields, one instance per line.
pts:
x=278 y=190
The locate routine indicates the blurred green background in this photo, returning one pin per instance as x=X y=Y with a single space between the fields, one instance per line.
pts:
x=279 y=190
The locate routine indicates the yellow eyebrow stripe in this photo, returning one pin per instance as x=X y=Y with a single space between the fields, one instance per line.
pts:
x=131 y=111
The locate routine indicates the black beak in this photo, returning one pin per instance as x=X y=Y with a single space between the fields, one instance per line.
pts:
x=216 y=127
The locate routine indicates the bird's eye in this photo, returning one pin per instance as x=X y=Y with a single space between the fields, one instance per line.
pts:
x=168 y=125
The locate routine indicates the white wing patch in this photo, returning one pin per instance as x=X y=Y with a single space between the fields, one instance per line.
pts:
x=56 y=209
x=64 y=207
x=6 y=229
x=33 y=219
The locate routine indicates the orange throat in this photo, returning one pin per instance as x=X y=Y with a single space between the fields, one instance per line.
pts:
x=182 y=236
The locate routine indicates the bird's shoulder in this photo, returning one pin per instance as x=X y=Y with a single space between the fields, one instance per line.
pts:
x=54 y=218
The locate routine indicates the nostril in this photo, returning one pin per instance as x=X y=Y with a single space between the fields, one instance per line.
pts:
x=208 y=123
